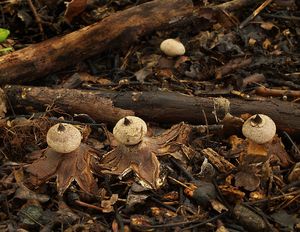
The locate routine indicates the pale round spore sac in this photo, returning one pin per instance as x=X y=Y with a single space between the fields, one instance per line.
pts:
x=172 y=47
x=63 y=138
x=259 y=128
x=130 y=130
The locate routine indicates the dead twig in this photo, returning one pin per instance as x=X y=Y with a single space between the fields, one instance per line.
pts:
x=255 y=13
x=235 y=4
x=267 y=92
x=36 y=16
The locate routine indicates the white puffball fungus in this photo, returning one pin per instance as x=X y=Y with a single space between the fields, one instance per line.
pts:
x=172 y=47
x=130 y=130
x=63 y=138
x=259 y=128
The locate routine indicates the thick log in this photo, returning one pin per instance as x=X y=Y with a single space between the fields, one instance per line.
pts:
x=118 y=30
x=167 y=107
x=96 y=106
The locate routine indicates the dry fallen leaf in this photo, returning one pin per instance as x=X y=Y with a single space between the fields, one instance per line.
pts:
x=278 y=153
x=142 y=74
x=74 y=8
x=247 y=177
x=267 y=25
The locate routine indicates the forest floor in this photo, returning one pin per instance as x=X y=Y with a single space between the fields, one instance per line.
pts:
x=218 y=144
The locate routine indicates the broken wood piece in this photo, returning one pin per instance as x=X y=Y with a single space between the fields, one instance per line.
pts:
x=118 y=30
x=167 y=107
x=221 y=164
x=256 y=153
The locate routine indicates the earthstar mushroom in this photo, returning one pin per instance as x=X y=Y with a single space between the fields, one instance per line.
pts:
x=63 y=138
x=259 y=128
x=66 y=158
x=130 y=130
x=136 y=151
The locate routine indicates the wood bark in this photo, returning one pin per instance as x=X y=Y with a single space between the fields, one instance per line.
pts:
x=118 y=30
x=167 y=107
x=73 y=101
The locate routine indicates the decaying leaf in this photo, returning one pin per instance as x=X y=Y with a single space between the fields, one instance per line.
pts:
x=278 y=154
x=295 y=173
x=141 y=158
x=107 y=205
x=74 y=8
x=31 y=213
x=248 y=180
x=267 y=25
x=135 y=198
x=218 y=206
x=286 y=220
x=142 y=74
x=26 y=194
x=74 y=166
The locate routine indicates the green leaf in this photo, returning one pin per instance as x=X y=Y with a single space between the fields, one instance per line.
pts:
x=3 y=34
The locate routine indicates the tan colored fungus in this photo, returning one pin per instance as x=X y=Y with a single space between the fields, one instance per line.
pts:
x=259 y=128
x=172 y=47
x=130 y=130
x=63 y=138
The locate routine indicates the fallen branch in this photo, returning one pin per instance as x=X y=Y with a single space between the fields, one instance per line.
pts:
x=118 y=30
x=165 y=107
x=75 y=101
x=264 y=91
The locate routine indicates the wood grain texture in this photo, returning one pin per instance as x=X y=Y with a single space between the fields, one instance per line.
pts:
x=116 y=31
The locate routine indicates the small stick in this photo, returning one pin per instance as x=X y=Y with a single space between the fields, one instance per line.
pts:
x=235 y=4
x=36 y=16
x=178 y=182
x=263 y=91
x=255 y=13
x=83 y=204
